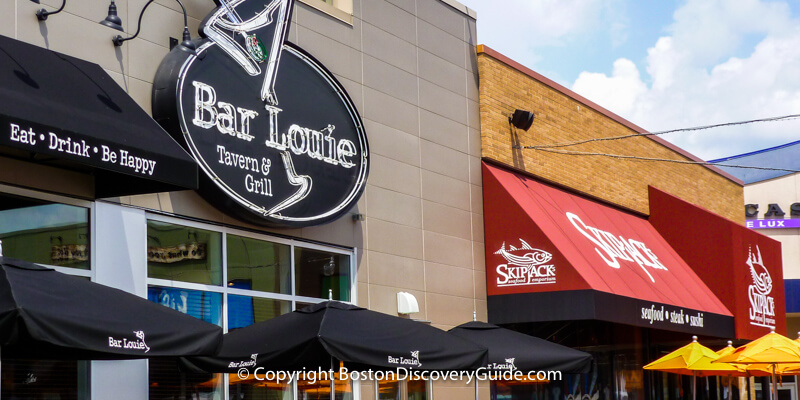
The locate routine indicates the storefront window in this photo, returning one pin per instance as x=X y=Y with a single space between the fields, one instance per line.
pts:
x=343 y=388
x=392 y=389
x=629 y=377
x=389 y=390
x=300 y=305
x=258 y=265
x=245 y=310
x=321 y=389
x=201 y=305
x=256 y=390
x=44 y=232
x=509 y=390
x=248 y=280
x=317 y=271
x=45 y=379
x=47 y=233
x=169 y=382
x=184 y=254
x=417 y=389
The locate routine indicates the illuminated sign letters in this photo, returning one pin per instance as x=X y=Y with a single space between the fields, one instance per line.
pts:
x=279 y=141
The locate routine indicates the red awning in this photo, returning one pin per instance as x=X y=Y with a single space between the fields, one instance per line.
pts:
x=742 y=267
x=546 y=245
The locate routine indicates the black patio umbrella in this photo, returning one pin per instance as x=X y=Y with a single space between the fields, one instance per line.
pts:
x=45 y=314
x=321 y=335
x=517 y=351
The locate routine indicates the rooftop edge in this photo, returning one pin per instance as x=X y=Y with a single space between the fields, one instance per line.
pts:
x=462 y=8
x=481 y=48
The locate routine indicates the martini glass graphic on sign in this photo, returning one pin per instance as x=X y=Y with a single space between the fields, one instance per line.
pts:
x=279 y=140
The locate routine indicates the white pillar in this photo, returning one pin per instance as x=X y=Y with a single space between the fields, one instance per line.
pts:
x=120 y=261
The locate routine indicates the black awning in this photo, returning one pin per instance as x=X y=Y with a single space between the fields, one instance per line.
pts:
x=315 y=337
x=511 y=350
x=45 y=314
x=57 y=109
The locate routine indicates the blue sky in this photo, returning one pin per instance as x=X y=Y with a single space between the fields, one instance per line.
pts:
x=664 y=64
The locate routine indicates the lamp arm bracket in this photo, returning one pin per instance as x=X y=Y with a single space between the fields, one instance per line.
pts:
x=42 y=14
x=118 y=40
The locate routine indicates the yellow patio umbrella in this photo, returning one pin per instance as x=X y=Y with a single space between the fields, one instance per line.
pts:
x=771 y=349
x=693 y=359
x=742 y=371
x=789 y=369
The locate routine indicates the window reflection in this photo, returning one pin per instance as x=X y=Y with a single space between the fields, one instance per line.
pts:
x=45 y=233
x=261 y=267
x=417 y=389
x=258 y=265
x=199 y=304
x=169 y=382
x=321 y=389
x=252 y=389
x=245 y=310
x=53 y=234
x=393 y=389
x=179 y=253
x=317 y=271
x=45 y=379
x=389 y=390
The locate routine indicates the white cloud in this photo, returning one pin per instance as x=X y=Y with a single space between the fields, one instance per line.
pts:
x=519 y=27
x=618 y=92
x=712 y=29
x=695 y=80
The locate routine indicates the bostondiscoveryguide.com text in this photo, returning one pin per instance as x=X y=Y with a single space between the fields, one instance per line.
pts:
x=401 y=373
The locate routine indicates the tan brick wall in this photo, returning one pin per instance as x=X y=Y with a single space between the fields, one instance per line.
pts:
x=561 y=118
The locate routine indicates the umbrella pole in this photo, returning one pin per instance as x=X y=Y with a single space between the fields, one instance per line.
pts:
x=774 y=384
x=730 y=382
x=694 y=385
x=333 y=384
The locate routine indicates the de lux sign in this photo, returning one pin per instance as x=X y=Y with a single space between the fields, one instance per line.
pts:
x=773 y=217
x=773 y=210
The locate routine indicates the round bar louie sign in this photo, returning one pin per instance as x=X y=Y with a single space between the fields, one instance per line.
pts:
x=278 y=138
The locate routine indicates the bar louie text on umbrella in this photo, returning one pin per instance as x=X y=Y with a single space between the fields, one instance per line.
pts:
x=45 y=314
x=323 y=335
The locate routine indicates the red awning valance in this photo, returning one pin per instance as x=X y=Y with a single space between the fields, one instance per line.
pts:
x=742 y=267
x=546 y=246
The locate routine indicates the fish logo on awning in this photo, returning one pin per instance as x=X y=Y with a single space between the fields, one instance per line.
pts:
x=762 y=305
x=526 y=265
x=524 y=256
